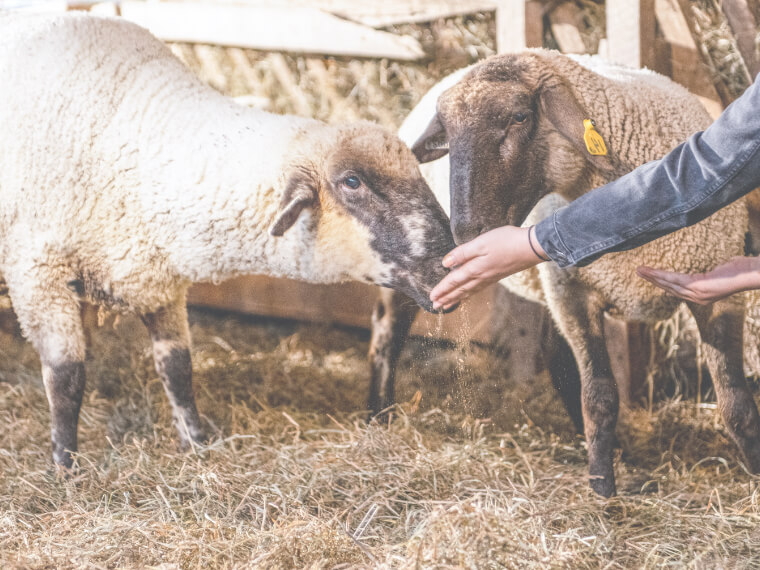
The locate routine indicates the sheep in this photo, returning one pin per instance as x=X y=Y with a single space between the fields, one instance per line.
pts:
x=515 y=127
x=124 y=178
x=393 y=314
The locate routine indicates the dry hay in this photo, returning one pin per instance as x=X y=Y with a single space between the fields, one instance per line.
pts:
x=719 y=48
x=336 y=89
x=293 y=468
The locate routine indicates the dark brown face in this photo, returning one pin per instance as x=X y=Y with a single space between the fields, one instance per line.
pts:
x=372 y=177
x=514 y=134
x=376 y=179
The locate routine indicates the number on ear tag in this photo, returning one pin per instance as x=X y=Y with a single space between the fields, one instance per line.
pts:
x=594 y=141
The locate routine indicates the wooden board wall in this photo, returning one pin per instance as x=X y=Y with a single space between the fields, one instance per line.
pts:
x=345 y=303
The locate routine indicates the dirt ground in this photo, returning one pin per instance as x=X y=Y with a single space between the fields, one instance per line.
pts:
x=477 y=471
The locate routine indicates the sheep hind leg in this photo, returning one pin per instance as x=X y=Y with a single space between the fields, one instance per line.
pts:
x=392 y=319
x=49 y=315
x=720 y=327
x=580 y=319
x=170 y=335
x=563 y=370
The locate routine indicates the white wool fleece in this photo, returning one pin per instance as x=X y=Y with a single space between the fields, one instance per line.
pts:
x=120 y=167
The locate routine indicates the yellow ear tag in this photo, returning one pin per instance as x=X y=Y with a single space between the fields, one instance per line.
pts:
x=594 y=141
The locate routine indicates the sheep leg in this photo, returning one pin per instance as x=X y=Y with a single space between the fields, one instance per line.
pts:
x=580 y=318
x=560 y=361
x=391 y=320
x=720 y=327
x=171 y=352
x=49 y=315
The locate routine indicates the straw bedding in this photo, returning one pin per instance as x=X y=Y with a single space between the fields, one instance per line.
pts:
x=476 y=470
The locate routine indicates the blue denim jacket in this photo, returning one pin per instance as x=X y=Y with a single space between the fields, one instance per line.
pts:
x=710 y=170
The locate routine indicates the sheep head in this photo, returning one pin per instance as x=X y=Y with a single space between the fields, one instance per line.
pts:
x=515 y=132
x=374 y=218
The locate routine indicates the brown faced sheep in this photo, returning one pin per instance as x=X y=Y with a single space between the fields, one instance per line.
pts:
x=514 y=125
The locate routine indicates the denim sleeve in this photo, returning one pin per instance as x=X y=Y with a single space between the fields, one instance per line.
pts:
x=708 y=171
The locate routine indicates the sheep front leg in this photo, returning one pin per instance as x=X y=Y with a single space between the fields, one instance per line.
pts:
x=720 y=327
x=64 y=386
x=391 y=320
x=171 y=351
x=580 y=318
x=49 y=314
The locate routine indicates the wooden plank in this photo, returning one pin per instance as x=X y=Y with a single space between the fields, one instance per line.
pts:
x=679 y=57
x=393 y=12
x=743 y=25
x=566 y=20
x=34 y=5
x=631 y=32
x=628 y=348
x=268 y=27
x=519 y=25
x=346 y=303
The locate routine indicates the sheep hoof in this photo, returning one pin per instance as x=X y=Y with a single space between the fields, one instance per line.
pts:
x=603 y=486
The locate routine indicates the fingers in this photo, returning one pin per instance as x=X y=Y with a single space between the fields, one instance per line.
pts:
x=661 y=276
x=458 y=293
x=456 y=286
x=462 y=254
x=676 y=284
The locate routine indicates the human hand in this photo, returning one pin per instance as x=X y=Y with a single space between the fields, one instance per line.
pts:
x=738 y=274
x=485 y=260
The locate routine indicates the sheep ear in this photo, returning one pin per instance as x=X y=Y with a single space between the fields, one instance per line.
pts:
x=566 y=114
x=300 y=193
x=431 y=144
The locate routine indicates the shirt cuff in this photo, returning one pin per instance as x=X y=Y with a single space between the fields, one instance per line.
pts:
x=548 y=237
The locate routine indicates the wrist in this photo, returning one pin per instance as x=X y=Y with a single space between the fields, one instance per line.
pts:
x=754 y=280
x=535 y=246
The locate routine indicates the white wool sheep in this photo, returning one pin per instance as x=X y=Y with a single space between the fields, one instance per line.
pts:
x=499 y=176
x=123 y=179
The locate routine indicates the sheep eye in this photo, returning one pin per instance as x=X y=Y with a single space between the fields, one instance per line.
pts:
x=352 y=182
x=519 y=117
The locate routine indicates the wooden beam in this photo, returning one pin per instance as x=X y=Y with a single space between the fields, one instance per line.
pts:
x=743 y=25
x=519 y=25
x=566 y=21
x=628 y=347
x=345 y=303
x=679 y=58
x=268 y=27
x=631 y=32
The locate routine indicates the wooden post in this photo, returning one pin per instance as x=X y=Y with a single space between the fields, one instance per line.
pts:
x=566 y=20
x=742 y=23
x=678 y=56
x=631 y=32
x=519 y=25
x=628 y=348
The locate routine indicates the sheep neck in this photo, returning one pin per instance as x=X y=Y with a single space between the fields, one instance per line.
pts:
x=220 y=192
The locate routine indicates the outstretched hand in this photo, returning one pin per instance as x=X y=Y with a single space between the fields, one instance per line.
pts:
x=487 y=259
x=738 y=274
